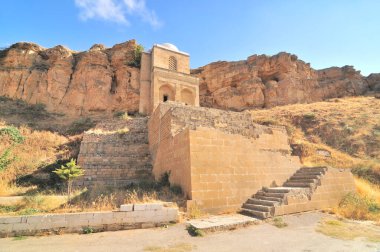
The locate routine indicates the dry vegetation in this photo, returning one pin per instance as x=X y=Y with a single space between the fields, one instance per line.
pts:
x=48 y=141
x=342 y=133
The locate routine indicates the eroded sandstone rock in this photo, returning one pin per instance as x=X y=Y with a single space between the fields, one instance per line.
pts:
x=263 y=81
x=75 y=83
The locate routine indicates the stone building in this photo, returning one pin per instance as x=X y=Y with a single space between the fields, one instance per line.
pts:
x=222 y=160
x=165 y=76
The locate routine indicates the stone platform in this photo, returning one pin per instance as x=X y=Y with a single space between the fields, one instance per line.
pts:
x=223 y=222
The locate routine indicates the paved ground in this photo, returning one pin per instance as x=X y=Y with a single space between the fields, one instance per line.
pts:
x=299 y=235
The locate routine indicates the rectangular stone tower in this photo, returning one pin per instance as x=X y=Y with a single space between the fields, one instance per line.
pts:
x=165 y=76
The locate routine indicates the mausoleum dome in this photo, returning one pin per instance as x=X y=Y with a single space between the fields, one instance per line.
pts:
x=170 y=47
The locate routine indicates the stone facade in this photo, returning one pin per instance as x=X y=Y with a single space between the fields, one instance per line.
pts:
x=165 y=76
x=115 y=153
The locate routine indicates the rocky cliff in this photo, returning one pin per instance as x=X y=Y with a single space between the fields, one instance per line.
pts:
x=74 y=83
x=103 y=80
x=263 y=81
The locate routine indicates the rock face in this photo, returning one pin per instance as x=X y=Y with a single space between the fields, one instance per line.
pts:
x=73 y=83
x=374 y=82
x=263 y=81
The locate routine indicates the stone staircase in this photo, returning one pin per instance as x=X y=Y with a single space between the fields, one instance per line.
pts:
x=116 y=153
x=304 y=182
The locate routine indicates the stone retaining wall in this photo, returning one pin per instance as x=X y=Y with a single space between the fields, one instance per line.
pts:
x=115 y=153
x=131 y=217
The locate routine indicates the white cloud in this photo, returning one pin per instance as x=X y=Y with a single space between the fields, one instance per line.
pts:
x=139 y=8
x=117 y=11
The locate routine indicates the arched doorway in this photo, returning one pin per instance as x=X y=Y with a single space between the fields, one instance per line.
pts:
x=166 y=93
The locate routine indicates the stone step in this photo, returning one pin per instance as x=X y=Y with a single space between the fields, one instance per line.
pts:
x=276 y=190
x=309 y=173
x=257 y=207
x=262 y=202
x=268 y=198
x=254 y=213
x=270 y=194
x=311 y=181
x=305 y=176
x=297 y=184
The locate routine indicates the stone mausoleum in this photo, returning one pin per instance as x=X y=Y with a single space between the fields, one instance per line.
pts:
x=165 y=76
x=222 y=160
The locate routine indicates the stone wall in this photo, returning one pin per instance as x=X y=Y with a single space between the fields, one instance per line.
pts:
x=115 y=153
x=137 y=216
x=334 y=185
x=219 y=158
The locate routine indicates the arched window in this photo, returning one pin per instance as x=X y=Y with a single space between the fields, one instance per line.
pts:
x=172 y=63
x=187 y=97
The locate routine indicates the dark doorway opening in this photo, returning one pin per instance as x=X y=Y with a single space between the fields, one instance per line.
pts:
x=166 y=98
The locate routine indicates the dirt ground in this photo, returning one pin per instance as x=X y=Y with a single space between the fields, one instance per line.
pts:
x=299 y=235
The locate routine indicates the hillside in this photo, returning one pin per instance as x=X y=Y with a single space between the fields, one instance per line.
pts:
x=338 y=132
x=343 y=133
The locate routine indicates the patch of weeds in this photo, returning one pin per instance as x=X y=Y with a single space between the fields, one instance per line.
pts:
x=279 y=222
x=194 y=212
x=87 y=230
x=179 y=247
x=28 y=211
x=334 y=222
x=80 y=126
x=346 y=230
x=193 y=231
x=358 y=207
x=367 y=172
x=121 y=115
x=309 y=116
x=13 y=133
x=19 y=238
x=8 y=209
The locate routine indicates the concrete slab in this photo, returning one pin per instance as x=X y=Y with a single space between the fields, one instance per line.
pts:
x=223 y=222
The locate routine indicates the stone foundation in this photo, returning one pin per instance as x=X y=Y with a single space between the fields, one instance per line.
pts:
x=219 y=158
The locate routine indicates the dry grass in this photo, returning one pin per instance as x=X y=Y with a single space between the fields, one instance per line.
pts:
x=348 y=230
x=347 y=128
x=364 y=205
x=178 y=247
x=38 y=148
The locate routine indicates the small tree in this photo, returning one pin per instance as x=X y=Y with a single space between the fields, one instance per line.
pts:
x=69 y=172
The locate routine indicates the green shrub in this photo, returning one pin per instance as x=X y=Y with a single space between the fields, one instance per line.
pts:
x=279 y=222
x=367 y=172
x=6 y=159
x=88 y=230
x=193 y=231
x=309 y=116
x=358 y=207
x=13 y=133
x=136 y=62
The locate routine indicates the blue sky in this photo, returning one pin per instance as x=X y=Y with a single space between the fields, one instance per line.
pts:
x=324 y=32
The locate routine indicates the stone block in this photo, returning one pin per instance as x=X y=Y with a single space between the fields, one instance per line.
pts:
x=126 y=208
x=10 y=220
